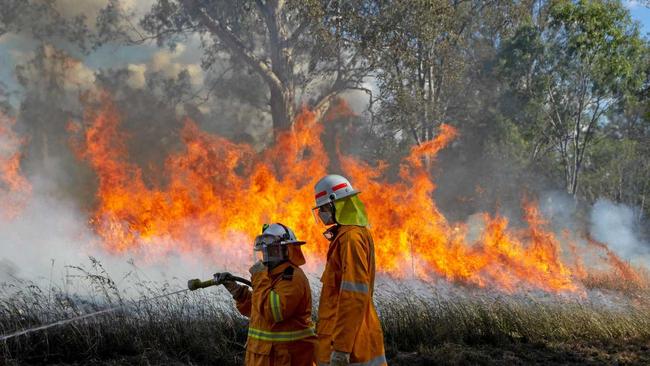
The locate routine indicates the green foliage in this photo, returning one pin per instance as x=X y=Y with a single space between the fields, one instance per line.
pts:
x=569 y=74
x=418 y=48
x=618 y=169
x=42 y=20
x=603 y=38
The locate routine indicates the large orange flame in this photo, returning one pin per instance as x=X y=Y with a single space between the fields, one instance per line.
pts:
x=215 y=195
x=14 y=188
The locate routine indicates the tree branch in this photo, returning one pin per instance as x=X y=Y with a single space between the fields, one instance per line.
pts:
x=232 y=42
x=293 y=38
x=323 y=102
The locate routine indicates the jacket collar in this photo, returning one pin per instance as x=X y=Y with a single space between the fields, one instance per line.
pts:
x=279 y=269
x=340 y=230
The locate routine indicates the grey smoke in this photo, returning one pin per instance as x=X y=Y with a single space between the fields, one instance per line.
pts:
x=559 y=208
x=52 y=233
x=616 y=225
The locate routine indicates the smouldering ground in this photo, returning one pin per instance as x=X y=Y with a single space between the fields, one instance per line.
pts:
x=423 y=324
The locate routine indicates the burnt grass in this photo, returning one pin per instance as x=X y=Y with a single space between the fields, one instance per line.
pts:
x=426 y=326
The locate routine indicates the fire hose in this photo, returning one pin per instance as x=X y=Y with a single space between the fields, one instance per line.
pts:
x=192 y=285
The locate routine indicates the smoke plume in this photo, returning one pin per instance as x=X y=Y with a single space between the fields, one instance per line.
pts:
x=616 y=225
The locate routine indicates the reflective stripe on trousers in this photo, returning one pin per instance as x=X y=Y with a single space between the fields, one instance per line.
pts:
x=377 y=361
x=354 y=286
x=266 y=335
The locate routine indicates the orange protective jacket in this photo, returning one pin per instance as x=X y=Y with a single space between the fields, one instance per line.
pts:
x=280 y=330
x=347 y=319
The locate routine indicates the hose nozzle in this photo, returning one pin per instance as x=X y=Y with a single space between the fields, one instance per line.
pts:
x=195 y=284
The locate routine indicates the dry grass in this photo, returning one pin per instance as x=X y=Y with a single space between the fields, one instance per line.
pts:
x=634 y=282
x=199 y=328
x=474 y=327
x=414 y=321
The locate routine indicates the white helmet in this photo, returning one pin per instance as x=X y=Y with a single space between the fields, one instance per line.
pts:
x=283 y=234
x=272 y=245
x=331 y=188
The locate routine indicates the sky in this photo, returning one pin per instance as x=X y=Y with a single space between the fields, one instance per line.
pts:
x=640 y=13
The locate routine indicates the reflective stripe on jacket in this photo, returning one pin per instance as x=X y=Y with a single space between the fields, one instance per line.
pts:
x=347 y=319
x=280 y=330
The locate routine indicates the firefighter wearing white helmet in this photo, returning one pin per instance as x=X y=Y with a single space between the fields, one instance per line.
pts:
x=330 y=189
x=274 y=246
x=280 y=331
x=348 y=327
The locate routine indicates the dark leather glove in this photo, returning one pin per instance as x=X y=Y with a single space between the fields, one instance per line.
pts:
x=221 y=277
x=224 y=278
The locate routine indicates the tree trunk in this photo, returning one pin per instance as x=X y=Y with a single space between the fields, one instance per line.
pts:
x=282 y=96
x=281 y=108
x=278 y=75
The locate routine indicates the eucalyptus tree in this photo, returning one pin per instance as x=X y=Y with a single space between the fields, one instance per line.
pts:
x=297 y=48
x=426 y=56
x=575 y=68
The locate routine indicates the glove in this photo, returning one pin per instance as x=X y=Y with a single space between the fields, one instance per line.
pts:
x=234 y=288
x=221 y=277
x=257 y=267
x=339 y=359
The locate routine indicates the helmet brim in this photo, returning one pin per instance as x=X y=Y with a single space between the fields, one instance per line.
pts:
x=294 y=242
x=354 y=193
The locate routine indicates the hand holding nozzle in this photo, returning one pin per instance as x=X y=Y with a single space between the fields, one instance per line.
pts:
x=221 y=278
x=228 y=281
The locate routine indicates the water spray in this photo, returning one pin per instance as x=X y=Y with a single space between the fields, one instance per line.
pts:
x=192 y=285
x=84 y=316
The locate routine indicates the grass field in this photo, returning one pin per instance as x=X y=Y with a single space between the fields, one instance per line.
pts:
x=423 y=324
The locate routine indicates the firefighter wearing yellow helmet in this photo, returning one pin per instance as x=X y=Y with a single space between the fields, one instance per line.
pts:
x=348 y=327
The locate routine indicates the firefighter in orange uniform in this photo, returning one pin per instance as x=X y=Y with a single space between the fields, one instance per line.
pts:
x=280 y=330
x=349 y=332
